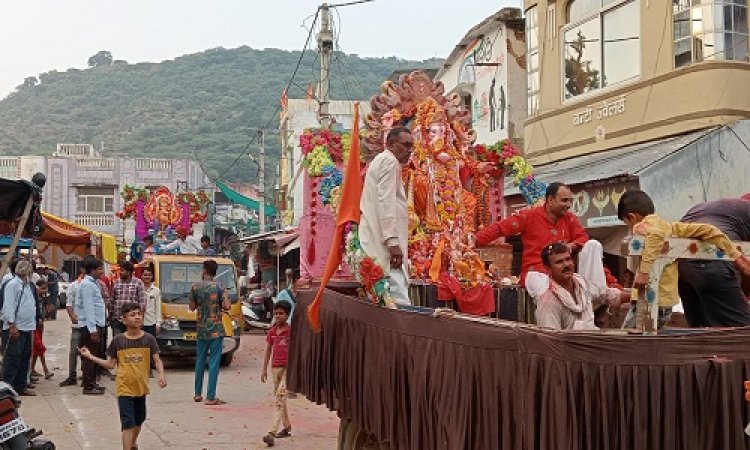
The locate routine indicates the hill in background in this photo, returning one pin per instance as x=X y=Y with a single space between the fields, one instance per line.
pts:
x=205 y=104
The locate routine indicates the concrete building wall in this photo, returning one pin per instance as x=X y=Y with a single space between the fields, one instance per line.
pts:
x=715 y=166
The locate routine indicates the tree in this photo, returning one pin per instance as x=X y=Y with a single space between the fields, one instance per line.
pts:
x=28 y=83
x=103 y=58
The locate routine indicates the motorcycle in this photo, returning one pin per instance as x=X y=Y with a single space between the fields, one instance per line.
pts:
x=257 y=308
x=14 y=433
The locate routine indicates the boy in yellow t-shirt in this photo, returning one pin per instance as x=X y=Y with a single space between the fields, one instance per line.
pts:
x=637 y=210
x=131 y=352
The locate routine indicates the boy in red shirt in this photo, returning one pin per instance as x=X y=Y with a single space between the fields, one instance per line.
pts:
x=278 y=343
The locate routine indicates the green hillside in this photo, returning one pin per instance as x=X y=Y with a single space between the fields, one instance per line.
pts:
x=206 y=103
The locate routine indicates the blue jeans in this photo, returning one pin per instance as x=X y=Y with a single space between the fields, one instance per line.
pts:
x=213 y=348
x=17 y=360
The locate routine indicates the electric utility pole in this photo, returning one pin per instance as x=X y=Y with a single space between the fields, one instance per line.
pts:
x=325 y=47
x=262 y=180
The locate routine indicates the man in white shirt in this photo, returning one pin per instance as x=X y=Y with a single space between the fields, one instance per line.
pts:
x=75 y=333
x=186 y=244
x=384 y=225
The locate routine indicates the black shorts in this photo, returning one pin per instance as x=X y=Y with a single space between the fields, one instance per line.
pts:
x=132 y=411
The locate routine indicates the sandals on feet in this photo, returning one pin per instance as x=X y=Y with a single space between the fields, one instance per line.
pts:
x=197 y=399
x=286 y=432
x=215 y=401
x=49 y=375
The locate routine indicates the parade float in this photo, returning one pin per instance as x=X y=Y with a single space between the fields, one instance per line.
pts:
x=159 y=213
x=417 y=378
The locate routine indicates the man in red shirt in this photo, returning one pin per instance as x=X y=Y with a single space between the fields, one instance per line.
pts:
x=539 y=227
x=543 y=225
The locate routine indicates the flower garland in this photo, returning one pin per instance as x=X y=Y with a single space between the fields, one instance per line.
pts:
x=368 y=272
x=322 y=151
x=132 y=195
x=504 y=155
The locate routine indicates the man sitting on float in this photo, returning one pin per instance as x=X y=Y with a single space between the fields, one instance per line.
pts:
x=569 y=300
x=541 y=226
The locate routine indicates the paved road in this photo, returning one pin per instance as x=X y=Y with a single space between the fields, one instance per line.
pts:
x=76 y=421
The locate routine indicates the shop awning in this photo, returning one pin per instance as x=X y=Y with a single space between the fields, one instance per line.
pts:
x=63 y=232
x=236 y=197
x=630 y=160
x=281 y=241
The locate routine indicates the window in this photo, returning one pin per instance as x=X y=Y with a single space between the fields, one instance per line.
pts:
x=532 y=60
x=705 y=31
x=601 y=46
x=95 y=200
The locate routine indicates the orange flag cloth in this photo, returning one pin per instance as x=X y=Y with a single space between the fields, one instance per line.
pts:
x=348 y=212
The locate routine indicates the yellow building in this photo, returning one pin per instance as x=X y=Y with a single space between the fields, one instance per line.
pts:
x=603 y=73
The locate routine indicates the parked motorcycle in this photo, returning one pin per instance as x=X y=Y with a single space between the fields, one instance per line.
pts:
x=258 y=307
x=14 y=433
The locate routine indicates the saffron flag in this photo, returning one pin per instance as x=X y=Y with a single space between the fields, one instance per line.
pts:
x=348 y=212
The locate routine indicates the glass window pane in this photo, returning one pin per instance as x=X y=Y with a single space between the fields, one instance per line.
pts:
x=582 y=50
x=727 y=24
x=622 y=56
x=711 y=47
x=95 y=204
x=109 y=204
x=697 y=21
x=739 y=19
x=740 y=47
x=682 y=24
x=728 y=47
x=81 y=204
x=682 y=54
x=578 y=9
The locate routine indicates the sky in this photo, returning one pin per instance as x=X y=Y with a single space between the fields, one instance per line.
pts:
x=37 y=36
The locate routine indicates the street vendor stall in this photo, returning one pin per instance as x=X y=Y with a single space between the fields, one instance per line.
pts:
x=20 y=211
x=63 y=239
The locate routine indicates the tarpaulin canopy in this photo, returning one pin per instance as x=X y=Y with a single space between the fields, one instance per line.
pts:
x=14 y=194
x=65 y=233
x=236 y=197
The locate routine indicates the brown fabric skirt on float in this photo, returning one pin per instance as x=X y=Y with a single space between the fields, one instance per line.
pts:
x=421 y=382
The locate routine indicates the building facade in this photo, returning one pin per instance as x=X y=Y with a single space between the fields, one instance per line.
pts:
x=637 y=94
x=83 y=186
x=487 y=69
x=605 y=74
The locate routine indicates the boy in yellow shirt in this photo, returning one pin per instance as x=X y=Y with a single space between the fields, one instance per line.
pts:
x=637 y=210
x=131 y=352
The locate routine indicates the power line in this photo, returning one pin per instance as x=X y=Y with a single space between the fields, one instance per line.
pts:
x=278 y=106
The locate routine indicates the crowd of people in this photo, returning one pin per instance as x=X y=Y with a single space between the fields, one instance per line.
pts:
x=129 y=307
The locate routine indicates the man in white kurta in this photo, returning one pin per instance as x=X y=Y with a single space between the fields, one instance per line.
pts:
x=384 y=225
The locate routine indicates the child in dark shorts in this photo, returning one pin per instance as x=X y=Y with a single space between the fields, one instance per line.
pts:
x=131 y=352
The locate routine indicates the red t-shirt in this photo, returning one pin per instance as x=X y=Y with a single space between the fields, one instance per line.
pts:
x=279 y=340
x=536 y=232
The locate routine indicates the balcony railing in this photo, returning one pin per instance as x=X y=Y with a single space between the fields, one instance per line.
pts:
x=96 y=220
x=95 y=163
x=153 y=164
